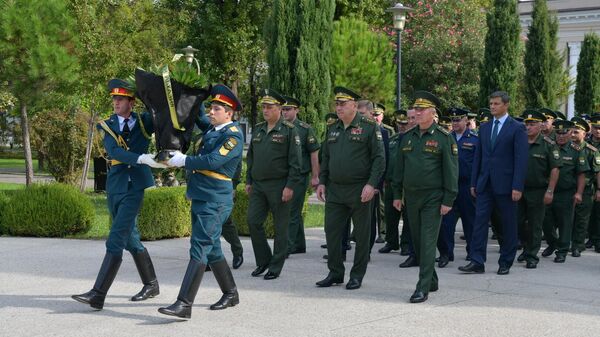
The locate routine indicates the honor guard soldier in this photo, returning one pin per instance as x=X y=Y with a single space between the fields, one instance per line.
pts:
x=274 y=165
x=353 y=163
x=569 y=190
x=543 y=167
x=126 y=140
x=426 y=175
x=310 y=164
x=210 y=188
x=464 y=205
x=594 y=227
x=584 y=209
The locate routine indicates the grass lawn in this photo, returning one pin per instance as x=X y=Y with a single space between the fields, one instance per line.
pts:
x=17 y=165
x=315 y=216
x=11 y=186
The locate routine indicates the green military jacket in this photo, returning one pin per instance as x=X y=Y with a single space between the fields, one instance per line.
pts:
x=390 y=129
x=394 y=143
x=593 y=158
x=427 y=160
x=308 y=144
x=274 y=154
x=573 y=163
x=543 y=157
x=353 y=155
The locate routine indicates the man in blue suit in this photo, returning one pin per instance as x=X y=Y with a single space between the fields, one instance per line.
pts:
x=126 y=140
x=499 y=170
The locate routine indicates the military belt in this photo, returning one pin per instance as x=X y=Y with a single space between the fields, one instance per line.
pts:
x=213 y=174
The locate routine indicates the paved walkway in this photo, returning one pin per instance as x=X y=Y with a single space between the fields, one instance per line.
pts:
x=37 y=277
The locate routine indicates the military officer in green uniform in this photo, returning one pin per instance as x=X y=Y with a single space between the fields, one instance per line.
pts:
x=446 y=123
x=126 y=140
x=569 y=190
x=426 y=175
x=352 y=165
x=547 y=129
x=274 y=165
x=310 y=164
x=584 y=209
x=594 y=227
x=542 y=175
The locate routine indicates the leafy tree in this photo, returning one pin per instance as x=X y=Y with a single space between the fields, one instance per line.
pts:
x=363 y=59
x=36 y=55
x=587 y=90
x=442 y=49
x=543 y=63
x=501 y=63
x=370 y=11
x=299 y=38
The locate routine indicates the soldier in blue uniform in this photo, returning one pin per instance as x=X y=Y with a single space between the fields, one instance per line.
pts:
x=211 y=190
x=126 y=140
x=464 y=204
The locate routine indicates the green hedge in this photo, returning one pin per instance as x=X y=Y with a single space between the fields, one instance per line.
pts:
x=165 y=213
x=4 y=200
x=49 y=210
x=240 y=210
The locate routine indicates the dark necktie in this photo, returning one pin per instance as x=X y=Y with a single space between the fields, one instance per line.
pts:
x=495 y=132
x=126 y=131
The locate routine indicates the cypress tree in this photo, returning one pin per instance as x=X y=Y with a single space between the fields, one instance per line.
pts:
x=298 y=54
x=587 y=90
x=538 y=88
x=500 y=67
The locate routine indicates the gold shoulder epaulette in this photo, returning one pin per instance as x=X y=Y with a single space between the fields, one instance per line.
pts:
x=576 y=147
x=233 y=128
x=261 y=123
x=444 y=131
x=549 y=140
x=288 y=124
x=368 y=120
x=591 y=147
x=304 y=124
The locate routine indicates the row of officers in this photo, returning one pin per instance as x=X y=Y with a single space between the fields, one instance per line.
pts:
x=542 y=175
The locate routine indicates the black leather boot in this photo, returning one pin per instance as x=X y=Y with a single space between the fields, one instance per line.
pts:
x=189 y=288
x=227 y=284
x=146 y=270
x=106 y=276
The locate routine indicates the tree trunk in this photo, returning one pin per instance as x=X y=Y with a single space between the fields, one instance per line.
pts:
x=88 y=149
x=26 y=144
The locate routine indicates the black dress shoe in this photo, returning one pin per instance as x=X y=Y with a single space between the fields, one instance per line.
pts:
x=434 y=288
x=560 y=259
x=521 y=257
x=576 y=252
x=324 y=246
x=259 y=270
x=237 y=261
x=531 y=265
x=472 y=268
x=411 y=261
x=597 y=249
x=386 y=249
x=589 y=244
x=329 y=281
x=298 y=251
x=381 y=240
x=271 y=275
x=502 y=270
x=548 y=251
x=443 y=261
x=418 y=297
x=353 y=283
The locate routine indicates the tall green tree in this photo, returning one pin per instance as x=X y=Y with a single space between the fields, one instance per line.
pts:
x=363 y=59
x=37 y=55
x=299 y=35
x=587 y=90
x=543 y=67
x=443 y=45
x=500 y=67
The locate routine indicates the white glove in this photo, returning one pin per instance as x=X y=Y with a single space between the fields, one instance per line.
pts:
x=148 y=159
x=178 y=159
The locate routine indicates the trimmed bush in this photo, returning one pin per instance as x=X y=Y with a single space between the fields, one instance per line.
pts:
x=50 y=210
x=165 y=214
x=4 y=200
x=240 y=211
